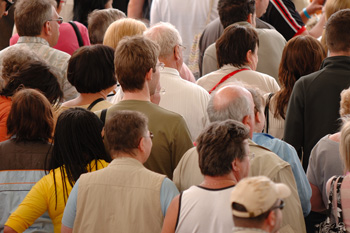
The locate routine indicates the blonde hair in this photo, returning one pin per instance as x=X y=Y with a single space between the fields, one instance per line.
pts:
x=121 y=28
x=344 y=147
x=345 y=102
x=331 y=7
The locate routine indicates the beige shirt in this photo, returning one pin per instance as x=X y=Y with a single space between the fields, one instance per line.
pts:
x=264 y=82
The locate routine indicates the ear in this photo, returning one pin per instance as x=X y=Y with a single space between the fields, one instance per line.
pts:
x=149 y=75
x=47 y=28
x=271 y=219
x=249 y=57
x=247 y=120
x=257 y=117
x=250 y=18
x=177 y=52
x=235 y=166
x=142 y=144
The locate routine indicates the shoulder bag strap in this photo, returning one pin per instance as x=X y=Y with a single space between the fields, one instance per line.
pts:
x=225 y=78
x=103 y=116
x=267 y=107
x=330 y=198
x=339 y=207
x=77 y=32
x=94 y=103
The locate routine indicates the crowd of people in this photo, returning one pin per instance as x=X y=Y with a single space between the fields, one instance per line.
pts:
x=175 y=116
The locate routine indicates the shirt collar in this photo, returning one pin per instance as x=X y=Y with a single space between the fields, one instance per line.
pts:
x=32 y=39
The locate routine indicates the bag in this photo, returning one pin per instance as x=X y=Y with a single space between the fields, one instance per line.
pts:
x=267 y=110
x=339 y=225
x=194 y=52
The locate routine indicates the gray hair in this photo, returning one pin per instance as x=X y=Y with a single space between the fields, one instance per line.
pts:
x=236 y=109
x=98 y=22
x=166 y=36
x=30 y=16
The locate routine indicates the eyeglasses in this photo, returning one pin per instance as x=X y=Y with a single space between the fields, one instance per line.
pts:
x=161 y=91
x=281 y=206
x=59 y=20
x=183 y=47
x=150 y=135
x=8 y=5
x=161 y=65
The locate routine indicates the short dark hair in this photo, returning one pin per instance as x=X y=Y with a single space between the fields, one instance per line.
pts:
x=82 y=8
x=337 y=37
x=30 y=117
x=30 y=16
x=234 y=43
x=36 y=75
x=91 y=69
x=124 y=130
x=134 y=57
x=233 y=11
x=99 y=20
x=219 y=144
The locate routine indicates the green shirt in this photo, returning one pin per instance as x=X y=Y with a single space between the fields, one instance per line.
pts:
x=171 y=135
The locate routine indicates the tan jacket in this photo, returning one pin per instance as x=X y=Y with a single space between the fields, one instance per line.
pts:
x=124 y=197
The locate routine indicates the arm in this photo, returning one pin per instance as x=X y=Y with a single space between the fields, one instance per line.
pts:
x=316 y=200
x=8 y=229
x=32 y=207
x=311 y=9
x=292 y=213
x=170 y=220
x=168 y=192
x=135 y=9
x=65 y=229
x=210 y=62
x=70 y=210
x=181 y=141
x=294 y=124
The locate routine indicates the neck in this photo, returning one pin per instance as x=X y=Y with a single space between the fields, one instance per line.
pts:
x=341 y=53
x=216 y=182
x=171 y=63
x=138 y=95
x=117 y=155
x=85 y=98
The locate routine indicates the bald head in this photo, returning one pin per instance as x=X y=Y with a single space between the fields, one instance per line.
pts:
x=232 y=102
x=166 y=36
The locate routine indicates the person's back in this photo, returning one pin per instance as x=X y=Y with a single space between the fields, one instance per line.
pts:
x=78 y=149
x=137 y=70
x=189 y=17
x=23 y=156
x=132 y=191
x=131 y=197
x=171 y=136
x=205 y=210
x=40 y=35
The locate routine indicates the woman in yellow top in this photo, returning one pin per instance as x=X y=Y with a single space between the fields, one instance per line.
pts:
x=78 y=148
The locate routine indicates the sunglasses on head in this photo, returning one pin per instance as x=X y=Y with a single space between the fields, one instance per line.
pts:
x=8 y=4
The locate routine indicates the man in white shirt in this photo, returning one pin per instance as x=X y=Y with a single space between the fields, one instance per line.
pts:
x=180 y=96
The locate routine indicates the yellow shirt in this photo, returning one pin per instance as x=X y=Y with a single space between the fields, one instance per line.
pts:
x=42 y=198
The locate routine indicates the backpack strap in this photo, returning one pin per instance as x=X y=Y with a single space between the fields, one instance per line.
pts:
x=94 y=103
x=103 y=116
x=77 y=32
x=267 y=108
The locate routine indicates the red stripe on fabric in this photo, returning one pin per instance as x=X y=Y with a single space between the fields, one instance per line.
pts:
x=287 y=15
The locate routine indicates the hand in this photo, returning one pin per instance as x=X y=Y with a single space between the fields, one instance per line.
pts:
x=314 y=6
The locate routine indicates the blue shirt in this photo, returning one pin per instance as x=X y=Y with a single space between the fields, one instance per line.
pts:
x=288 y=154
